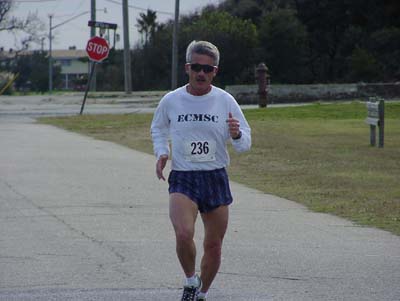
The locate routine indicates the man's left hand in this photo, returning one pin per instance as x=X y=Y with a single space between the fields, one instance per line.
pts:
x=233 y=125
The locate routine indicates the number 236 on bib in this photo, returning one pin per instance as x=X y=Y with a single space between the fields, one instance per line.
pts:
x=200 y=151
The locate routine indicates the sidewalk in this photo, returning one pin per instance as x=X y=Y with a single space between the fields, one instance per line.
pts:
x=70 y=104
x=83 y=219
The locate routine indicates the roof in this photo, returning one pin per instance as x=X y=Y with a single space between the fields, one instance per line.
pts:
x=69 y=54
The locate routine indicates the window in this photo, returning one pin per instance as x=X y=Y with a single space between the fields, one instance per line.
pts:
x=65 y=62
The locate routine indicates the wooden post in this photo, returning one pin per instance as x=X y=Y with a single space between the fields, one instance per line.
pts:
x=263 y=81
x=372 y=135
x=376 y=117
x=381 y=122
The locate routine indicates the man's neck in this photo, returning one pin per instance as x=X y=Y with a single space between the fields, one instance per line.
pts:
x=196 y=92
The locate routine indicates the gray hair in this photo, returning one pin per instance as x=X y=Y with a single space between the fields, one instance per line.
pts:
x=202 y=47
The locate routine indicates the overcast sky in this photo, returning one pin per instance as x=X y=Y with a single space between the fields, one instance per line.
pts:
x=76 y=32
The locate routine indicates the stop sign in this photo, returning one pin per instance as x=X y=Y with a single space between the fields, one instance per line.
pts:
x=97 y=49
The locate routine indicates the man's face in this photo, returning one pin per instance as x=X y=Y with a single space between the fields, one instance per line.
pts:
x=200 y=80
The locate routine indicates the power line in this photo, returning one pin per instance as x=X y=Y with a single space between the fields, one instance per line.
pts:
x=142 y=9
x=71 y=14
x=33 y=1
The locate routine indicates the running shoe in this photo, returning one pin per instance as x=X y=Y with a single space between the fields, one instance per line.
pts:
x=190 y=292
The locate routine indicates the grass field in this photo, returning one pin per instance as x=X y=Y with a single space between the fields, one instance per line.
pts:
x=318 y=155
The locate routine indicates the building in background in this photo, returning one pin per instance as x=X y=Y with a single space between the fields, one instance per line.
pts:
x=74 y=67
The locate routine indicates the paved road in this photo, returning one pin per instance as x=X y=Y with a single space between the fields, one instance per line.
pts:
x=98 y=103
x=70 y=104
x=82 y=219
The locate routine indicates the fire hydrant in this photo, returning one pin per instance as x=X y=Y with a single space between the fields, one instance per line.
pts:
x=263 y=82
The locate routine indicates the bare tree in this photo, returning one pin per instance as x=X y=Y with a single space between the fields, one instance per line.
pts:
x=31 y=25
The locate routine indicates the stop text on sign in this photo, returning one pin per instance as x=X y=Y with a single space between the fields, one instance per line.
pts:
x=97 y=49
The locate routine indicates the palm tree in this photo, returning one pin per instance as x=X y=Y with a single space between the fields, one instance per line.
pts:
x=147 y=25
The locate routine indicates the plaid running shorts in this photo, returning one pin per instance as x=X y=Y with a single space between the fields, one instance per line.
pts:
x=209 y=189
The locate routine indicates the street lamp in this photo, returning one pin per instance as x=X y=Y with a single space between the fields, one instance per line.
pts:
x=51 y=27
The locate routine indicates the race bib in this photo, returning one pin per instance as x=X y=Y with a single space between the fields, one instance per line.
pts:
x=199 y=151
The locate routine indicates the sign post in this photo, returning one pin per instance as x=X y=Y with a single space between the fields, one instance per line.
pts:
x=376 y=117
x=97 y=49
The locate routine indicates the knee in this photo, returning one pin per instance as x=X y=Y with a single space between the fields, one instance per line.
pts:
x=184 y=235
x=213 y=248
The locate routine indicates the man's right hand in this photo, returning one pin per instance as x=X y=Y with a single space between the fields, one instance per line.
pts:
x=162 y=161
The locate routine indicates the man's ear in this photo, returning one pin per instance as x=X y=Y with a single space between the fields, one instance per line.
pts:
x=215 y=71
x=187 y=68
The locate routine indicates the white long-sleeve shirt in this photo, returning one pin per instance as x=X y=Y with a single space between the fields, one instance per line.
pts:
x=197 y=128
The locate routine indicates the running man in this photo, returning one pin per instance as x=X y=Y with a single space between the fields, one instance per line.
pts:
x=199 y=119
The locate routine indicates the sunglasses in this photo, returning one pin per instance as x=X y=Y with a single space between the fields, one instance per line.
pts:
x=199 y=67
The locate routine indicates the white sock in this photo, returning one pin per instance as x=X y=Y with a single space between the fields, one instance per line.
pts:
x=202 y=295
x=192 y=281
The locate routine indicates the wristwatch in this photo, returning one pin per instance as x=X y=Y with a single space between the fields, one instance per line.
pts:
x=238 y=136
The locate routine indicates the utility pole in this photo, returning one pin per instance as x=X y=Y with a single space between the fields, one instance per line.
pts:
x=50 y=57
x=174 y=71
x=127 y=54
x=42 y=44
x=51 y=27
x=92 y=34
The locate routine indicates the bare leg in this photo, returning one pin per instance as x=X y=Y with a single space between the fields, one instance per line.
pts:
x=183 y=214
x=215 y=225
